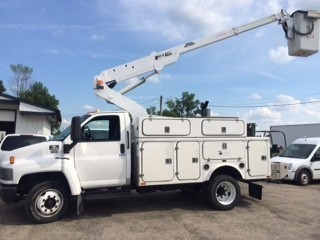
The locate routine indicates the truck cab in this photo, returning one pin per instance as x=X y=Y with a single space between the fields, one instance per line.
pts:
x=99 y=159
x=303 y=159
x=104 y=148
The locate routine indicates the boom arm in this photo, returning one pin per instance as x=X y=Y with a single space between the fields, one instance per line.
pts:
x=146 y=67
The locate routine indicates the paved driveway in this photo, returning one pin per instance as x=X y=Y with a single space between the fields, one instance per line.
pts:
x=286 y=212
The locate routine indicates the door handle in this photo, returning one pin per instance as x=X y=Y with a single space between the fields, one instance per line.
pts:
x=122 y=148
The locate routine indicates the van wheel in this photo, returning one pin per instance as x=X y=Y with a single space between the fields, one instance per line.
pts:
x=304 y=178
x=46 y=202
x=223 y=192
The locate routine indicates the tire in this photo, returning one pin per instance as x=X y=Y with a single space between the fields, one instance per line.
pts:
x=304 y=178
x=223 y=192
x=46 y=202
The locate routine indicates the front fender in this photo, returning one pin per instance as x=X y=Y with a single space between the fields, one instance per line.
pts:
x=72 y=177
x=40 y=158
x=299 y=170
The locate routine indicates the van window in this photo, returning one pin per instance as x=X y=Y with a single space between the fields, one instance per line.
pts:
x=298 y=151
x=14 y=142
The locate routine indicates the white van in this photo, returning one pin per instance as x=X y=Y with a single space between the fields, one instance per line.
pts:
x=303 y=159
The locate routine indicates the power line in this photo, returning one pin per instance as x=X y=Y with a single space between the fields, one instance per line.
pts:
x=259 y=106
x=223 y=106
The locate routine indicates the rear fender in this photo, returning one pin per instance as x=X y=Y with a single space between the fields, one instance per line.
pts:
x=229 y=170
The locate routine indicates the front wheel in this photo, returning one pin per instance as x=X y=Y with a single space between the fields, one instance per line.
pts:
x=304 y=177
x=223 y=192
x=46 y=202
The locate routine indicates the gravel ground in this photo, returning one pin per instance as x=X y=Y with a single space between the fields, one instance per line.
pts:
x=286 y=211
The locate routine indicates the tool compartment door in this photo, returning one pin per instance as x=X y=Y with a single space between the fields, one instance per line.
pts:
x=258 y=158
x=188 y=160
x=218 y=127
x=166 y=127
x=229 y=149
x=157 y=160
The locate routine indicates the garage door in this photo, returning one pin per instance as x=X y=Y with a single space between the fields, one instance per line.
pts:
x=7 y=116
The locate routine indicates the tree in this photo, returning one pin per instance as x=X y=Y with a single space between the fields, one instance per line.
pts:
x=39 y=94
x=186 y=106
x=2 y=87
x=152 y=110
x=21 y=78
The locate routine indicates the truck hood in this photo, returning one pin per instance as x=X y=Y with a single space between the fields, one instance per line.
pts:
x=36 y=152
x=36 y=158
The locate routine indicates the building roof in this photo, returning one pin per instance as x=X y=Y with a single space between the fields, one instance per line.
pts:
x=28 y=108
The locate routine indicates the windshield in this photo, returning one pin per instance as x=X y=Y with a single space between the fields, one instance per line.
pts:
x=62 y=135
x=298 y=151
x=66 y=132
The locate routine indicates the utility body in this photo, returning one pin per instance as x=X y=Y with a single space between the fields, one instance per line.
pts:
x=116 y=152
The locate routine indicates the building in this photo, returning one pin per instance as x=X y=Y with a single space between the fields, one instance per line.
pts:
x=19 y=116
x=293 y=132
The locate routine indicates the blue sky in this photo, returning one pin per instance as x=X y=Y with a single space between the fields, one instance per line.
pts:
x=67 y=43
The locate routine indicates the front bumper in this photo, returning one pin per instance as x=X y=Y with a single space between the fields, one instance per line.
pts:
x=290 y=176
x=7 y=192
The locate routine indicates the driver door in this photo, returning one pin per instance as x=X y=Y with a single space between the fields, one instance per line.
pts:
x=100 y=158
x=315 y=164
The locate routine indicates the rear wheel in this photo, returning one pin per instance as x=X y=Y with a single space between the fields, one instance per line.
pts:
x=46 y=202
x=223 y=192
x=304 y=177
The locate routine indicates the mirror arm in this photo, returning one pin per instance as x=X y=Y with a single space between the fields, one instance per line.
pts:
x=67 y=147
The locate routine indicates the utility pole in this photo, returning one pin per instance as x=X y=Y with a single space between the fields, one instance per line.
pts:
x=161 y=105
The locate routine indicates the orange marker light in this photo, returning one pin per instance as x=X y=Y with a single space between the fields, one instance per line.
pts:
x=100 y=84
x=12 y=160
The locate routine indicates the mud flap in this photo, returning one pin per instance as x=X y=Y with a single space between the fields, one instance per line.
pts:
x=79 y=205
x=255 y=190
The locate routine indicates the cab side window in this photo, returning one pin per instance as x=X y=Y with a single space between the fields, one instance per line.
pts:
x=103 y=128
x=316 y=156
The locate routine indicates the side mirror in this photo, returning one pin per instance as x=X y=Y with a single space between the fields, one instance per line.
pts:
x=75 y=132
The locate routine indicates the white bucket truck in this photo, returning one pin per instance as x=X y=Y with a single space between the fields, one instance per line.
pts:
x=117 y=152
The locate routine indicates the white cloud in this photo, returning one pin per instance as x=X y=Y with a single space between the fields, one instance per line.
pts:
x=285 y=110
x=303 y=5
x=65 y=123
x=183 y=20
x=287 y=103
x=264 y=114
x=272 y=6
x=89 y=108
x=156 y=78
x=297 y=110
x=97 y=37
x=65 y=52
x=180 y=19
x=96 y=54
x=260 y=34
x=255 y=96
x=280 y=55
